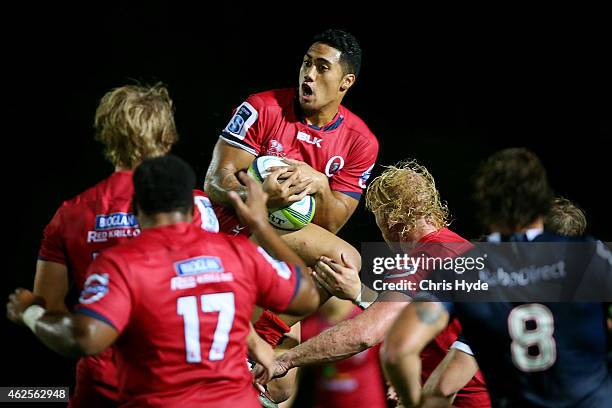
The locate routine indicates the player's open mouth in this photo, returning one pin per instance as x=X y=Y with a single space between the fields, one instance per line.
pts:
x=307 y=92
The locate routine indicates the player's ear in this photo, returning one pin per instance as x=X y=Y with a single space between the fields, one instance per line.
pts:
x=347 y=82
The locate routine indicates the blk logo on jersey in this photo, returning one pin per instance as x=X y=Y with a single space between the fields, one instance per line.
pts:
x=334 y=165
x=313 y=140
x=196 y=266
x=96 y=287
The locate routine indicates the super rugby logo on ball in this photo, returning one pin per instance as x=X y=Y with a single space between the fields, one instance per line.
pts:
x=293 y=217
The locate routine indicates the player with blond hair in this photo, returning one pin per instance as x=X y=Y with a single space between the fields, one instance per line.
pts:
x=134 y=123
x=409 y=213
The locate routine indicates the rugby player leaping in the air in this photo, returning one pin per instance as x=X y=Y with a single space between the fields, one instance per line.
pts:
x=330 y=152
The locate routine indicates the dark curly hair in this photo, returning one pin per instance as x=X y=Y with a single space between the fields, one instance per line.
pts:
x=347 y=44
x=163 y=184
x=512 y=189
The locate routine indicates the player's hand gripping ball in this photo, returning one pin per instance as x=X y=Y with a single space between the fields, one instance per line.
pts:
x=292 y=217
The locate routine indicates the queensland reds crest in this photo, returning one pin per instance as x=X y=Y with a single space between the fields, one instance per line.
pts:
x=275 y=149
x=334 y=165
x=96 y=287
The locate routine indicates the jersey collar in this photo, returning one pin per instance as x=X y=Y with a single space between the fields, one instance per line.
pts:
x=527 y=236
x=334 y=124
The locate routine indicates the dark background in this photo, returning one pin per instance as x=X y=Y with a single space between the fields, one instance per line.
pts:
x=447 y=87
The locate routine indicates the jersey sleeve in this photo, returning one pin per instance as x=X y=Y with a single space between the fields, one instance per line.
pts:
x=277 y=282
x=604 y=272
x=247 y=127
x=203 y=212
x=52 y=246
x=106 y=295
x=352 y=178
x=271 y=328
x=593 y=281
x=462 y=344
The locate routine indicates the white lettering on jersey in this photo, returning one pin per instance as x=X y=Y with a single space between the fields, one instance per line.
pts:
x=103 y=236
x=242 y=120
x=305 y=137
x=189 y=282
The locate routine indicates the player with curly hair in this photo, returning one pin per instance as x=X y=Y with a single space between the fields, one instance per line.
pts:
x=410 y=215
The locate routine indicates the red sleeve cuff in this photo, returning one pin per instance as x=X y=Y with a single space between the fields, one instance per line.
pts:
x=271 y=328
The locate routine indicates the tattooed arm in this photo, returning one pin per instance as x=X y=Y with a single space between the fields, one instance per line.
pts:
x=414 y=328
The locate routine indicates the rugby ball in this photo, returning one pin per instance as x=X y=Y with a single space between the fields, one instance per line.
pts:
x=293 y=217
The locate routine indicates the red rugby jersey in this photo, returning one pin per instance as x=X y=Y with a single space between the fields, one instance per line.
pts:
x=182 y=299
x=269 y=123
x=84 y=226
x=353 y=382
x=445 y=243
x=102 y=217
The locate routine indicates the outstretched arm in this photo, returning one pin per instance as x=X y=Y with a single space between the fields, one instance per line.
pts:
x=415 y=327
x=69 y=334
x=343 y=340
x=451 y=375
x=51 y=283
x=259 y=349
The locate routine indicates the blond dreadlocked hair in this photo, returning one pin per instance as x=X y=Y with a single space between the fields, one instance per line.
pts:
x=405 y=193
